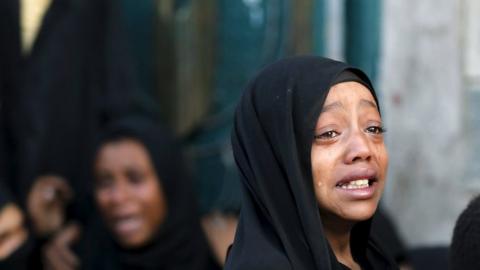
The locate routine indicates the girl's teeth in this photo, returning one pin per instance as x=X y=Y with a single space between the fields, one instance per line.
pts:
x=356 y=184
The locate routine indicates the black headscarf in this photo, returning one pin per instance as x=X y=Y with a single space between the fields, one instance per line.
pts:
x=5 y=197
x=384 y=228
x=280 y=226
x=179 y=242
x=465 y=246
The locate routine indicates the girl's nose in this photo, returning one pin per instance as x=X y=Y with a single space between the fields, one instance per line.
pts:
x=358 y=148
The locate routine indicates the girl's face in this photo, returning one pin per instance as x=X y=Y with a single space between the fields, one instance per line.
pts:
x=349 y=158
x=128 y=192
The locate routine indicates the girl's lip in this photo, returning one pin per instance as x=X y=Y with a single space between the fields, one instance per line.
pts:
x=358 y=193
x=358 y=174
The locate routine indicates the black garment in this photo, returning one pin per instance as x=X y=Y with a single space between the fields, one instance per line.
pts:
x=465 y=246
x=180 y=242
x=435 y=257
x=280 y=225
x=77 y=77
x=387 y=233
x=5 y=196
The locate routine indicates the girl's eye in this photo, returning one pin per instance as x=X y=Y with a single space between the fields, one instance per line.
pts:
x=327 y=135
x=376 y=130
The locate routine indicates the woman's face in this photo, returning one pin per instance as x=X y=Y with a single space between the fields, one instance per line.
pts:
x=349 y=158
x=128 y=192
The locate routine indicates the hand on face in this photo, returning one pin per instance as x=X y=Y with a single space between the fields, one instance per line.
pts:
x=57 y=253
x=12 y=232
x=46 y=203
x=349 y=158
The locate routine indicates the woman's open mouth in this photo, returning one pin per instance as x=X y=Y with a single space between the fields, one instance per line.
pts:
x=356 y=184
x=126 y=225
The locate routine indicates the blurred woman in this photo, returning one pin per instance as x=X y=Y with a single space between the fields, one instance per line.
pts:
x=65 y=72
x=146 y=203
x=308 y=140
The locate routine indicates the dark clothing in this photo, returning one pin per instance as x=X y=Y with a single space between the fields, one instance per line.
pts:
x=5 y=196
x=179 y=242
x=386 y=232
x=76 y=79
x=436 y=257
x=280 y=225
x=464 y=250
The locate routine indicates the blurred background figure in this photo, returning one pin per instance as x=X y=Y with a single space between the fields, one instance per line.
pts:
x=465 y=246
x=149 y=218
x=66 y=71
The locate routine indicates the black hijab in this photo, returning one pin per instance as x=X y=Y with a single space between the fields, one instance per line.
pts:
x=179 y=242
x=5 y=197
x=280 y=225
x=465 y=246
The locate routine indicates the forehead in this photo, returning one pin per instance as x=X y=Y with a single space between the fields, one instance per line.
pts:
x=349 y=96
x=349 y=91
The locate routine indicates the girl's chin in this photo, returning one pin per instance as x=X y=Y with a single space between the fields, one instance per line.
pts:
x=350 y=211
x=355 y=212
x=359 y=213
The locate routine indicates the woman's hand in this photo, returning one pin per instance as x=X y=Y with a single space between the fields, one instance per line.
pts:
x=46 y=203
x=57 y=253
x=12 y=232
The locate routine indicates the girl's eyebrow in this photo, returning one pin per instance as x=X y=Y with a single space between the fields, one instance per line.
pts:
x=332 y=106
x=368 y=103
